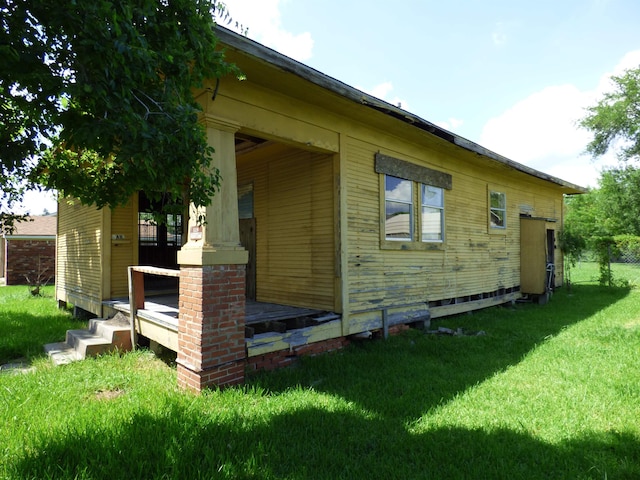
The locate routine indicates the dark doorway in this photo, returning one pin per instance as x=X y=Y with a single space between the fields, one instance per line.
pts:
x=159 y=239
x=551 y=260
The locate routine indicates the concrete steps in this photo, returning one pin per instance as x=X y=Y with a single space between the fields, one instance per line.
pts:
x=102 y=336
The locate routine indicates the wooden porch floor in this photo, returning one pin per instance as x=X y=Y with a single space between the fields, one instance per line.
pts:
x=260 y=317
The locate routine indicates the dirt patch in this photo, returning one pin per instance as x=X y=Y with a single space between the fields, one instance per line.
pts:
x=108 y=394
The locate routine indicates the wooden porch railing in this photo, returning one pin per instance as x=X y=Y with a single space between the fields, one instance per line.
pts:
x=136 y=291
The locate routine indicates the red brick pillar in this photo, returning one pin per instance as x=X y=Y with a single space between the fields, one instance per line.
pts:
x=211 y=345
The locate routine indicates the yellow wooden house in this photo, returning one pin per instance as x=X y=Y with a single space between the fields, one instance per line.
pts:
x=357 y=213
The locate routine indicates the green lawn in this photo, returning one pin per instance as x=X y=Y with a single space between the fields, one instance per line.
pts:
x=587 y=272
x=549 y=391
x=27 y=322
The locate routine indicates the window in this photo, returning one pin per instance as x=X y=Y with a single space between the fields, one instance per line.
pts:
x=245 y=201
x=147 y=229
x=153 y=235
x=174 y=230
x=432 y=214
x=399 y=211
x=497 y=210
x=413 y=204
x=398 y=200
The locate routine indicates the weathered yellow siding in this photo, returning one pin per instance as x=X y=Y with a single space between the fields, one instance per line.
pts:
x=79 y=275
x=474 y=262
x=293 y=207
x=473 y=259
x=124 y=246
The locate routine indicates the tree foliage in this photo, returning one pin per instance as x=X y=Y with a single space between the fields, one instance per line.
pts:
x=615 y=119
x=607 y=218
x=610 y=210
x=97 y=98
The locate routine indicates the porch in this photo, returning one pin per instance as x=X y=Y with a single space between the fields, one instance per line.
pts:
x=269 y=327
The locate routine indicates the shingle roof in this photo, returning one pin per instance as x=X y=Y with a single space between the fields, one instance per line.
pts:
x=40 y=225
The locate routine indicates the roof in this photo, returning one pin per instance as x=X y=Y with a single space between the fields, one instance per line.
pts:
x=287 y=64
x=36 y=226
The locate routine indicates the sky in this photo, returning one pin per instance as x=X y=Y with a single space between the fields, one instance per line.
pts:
x=513 y=76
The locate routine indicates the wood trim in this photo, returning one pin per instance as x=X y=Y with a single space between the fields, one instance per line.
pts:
x=410 y=171
x=105 y=241
x=341 y=287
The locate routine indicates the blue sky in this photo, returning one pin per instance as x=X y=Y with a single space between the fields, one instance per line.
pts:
x=511 y=75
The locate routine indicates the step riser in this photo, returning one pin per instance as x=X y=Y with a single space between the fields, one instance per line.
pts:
x=103 y=336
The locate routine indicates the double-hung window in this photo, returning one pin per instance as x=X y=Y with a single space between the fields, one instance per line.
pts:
x=398 y=201
x=412 y=205
x=400 y=219
x=497 y=210
x=432 y=221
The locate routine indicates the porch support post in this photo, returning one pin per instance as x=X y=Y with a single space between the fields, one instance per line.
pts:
x=211 y=345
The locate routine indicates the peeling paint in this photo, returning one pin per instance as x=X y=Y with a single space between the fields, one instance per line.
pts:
x=272 y=341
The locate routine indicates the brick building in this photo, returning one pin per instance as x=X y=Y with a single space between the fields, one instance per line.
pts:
x=27 y=256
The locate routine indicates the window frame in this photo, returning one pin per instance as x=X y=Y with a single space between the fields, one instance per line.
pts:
x=418 y=175
x=401 y=201
x=416 y=218
x=492 y=228
x=439 y=208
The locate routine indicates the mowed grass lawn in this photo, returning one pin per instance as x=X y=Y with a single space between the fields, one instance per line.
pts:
x=549 y=391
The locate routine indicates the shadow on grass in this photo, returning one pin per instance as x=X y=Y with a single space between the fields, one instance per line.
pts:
x=396 y=381
x=313 y=443
x=407 y=375
x=23 y=335
x=28 y=322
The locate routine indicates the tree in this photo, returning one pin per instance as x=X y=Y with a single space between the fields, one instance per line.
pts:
x=97 y=99
x=615 y=119
x=582 y=216
x=619 y=200
x=611 y=209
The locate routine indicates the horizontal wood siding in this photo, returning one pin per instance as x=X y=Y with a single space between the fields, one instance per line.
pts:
x=79 y=256
x=473 y=259
x=123 y=247
x=293 y=207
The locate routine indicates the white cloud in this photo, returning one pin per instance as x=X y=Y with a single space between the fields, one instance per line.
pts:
x=382 y=91
x=263 y=20
x=541 y=131
x=501 y=32
x=450 y=124
x=498 y=38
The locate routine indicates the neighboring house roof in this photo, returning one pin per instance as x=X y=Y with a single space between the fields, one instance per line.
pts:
x=36 y=226
x=286 y=64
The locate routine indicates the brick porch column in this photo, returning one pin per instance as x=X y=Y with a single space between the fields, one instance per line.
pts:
x=211 y=345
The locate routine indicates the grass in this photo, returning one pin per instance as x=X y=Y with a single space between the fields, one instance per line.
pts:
x=550 y=391
x=27 y=322
x=588 y=272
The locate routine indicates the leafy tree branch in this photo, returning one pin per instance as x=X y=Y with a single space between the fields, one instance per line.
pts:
x=615 y=119
x=97 y=99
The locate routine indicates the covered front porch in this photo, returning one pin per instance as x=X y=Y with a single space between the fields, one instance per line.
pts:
x=269 y=327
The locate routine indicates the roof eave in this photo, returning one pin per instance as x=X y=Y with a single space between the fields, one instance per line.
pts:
x=287 y=64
